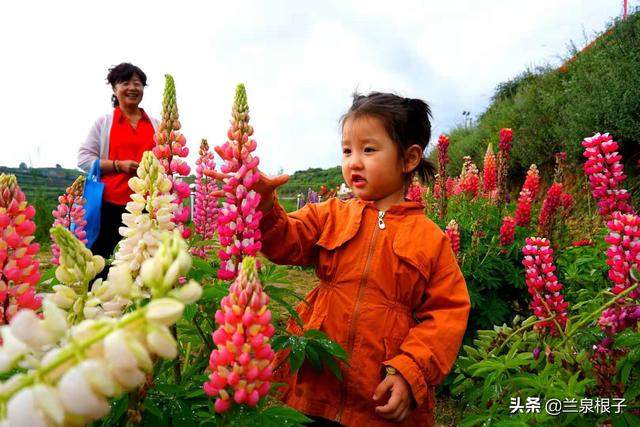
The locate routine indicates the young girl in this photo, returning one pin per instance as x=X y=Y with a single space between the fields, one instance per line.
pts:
x=391 y=292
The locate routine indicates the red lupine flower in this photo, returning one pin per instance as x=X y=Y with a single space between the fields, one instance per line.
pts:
x=532 y=181
x=506 y=136
x=452 y=187
x=19 y=267
x=604 y=360
x=583 y=242
x=624 y=252
x=523 y=208
x=555 y=198
x=507 y=231
x=504 y=146
x=443 y=160
x=469 y=178
x=543 y=285
x=618 y=318
x=240 y=365
x=415 y=192
x=606 y=175
x=453 y=231
x=489 y=172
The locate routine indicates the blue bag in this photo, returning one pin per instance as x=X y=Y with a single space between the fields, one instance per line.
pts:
x=93 y=190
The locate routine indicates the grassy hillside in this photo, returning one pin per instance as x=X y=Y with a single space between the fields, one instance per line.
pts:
x=312 y=178
x=552 y=110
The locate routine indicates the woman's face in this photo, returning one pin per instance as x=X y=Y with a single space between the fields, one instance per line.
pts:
x=129 y=93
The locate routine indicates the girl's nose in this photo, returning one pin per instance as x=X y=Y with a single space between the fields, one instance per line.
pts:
x=355 y=161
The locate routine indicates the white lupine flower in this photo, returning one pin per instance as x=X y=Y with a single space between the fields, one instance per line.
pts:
x=35 y=406
x=165 y=311
x=28 y=328
x=79 y=398
x=55 y=320
x=63 y=296
x=12 y=349
x=129 y=378
x=161 y=342
x=117 y=351
x=189 y=293
x=99 y=377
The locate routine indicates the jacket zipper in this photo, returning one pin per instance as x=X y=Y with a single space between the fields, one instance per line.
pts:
x=356 y=310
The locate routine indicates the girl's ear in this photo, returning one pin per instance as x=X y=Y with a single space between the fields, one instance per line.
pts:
x=412 y=158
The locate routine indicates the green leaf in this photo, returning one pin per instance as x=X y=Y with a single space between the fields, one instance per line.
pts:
x=333 y=366
x=151 y=407
x=314 y=358
x=296 y=357
x=284 y=415
x=290 y=309
x=331 y=347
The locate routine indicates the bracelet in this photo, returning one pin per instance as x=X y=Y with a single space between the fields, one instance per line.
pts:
x=115 y=166
x=390 y=370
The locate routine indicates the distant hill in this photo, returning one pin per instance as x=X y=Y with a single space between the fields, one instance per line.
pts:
x=312 y=178
x=51 y=182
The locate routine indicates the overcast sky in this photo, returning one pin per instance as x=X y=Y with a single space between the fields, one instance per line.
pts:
x=300 y=62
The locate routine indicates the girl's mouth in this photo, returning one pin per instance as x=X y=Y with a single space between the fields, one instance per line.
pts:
x=358 y=181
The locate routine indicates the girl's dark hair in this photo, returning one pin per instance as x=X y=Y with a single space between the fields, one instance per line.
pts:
x=406 y=120
x=122 y=73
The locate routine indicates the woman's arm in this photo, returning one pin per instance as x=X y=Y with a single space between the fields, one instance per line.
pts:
x=89 y=150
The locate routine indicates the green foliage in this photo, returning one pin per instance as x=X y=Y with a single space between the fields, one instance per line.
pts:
x=312 y=178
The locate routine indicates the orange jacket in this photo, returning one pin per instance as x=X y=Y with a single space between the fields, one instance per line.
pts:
x=391 y=293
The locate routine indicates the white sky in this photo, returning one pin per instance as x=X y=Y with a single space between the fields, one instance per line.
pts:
x=300 y=62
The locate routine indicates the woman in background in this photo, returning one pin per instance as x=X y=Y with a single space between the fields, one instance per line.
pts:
x=118 y=139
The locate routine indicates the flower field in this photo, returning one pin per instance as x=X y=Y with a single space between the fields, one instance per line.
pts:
x=185 y=328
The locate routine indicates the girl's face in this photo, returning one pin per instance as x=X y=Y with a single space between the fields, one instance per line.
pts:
x=371 y=165
x=129 y=93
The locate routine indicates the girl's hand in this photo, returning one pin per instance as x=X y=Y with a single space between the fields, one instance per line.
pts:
x=265 y=186
x=399 y=405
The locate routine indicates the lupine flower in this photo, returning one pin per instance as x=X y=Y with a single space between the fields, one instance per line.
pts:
x=606 y=175
x=150 y=212
x=240 y=365
x=451 y=186
x=206 y=204
x=554 y=199
x=453 y=232
x=415 y=191
x=312 y=196
x=489 y=172
x=77 y=267
x=506 y=136
x=558 y=175
x=171 y=149
x=583 y=242
x=507 y=231
x=19 y=268
x=70 y=376
x=442 y=180
x=536 y=353
x=543 y=285
x=624 y=252
x=238 y=218
x=618 y=318
x=604 y=360
x=523 y=208
x=70 y=215
x=532 y=181
x=469 y=178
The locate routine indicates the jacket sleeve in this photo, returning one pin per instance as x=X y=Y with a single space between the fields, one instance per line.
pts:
x=90 y=149
x=428 y=352
x=290 y=238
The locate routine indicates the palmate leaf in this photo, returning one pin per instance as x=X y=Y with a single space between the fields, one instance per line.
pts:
x=279 y=416
x=276 y=296
x=322 y=340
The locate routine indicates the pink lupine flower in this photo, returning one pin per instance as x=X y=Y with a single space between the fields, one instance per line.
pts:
x=507 y=231
x=606 y=175
x=489 y=172
x=238 y=218
x=523 y=208
x=241 y=364
x=580 y=243
x=453 y=232
x=469 y=178
x=624 y=252
x=415 y=192
x=170 y=150
x=206 y=204
x=70 y=215
x=452 y=186
x=19 y=267
x=618 y=318
x=543 y=285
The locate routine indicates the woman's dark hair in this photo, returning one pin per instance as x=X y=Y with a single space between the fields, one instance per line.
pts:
x=406 y=120
x=122 y=73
